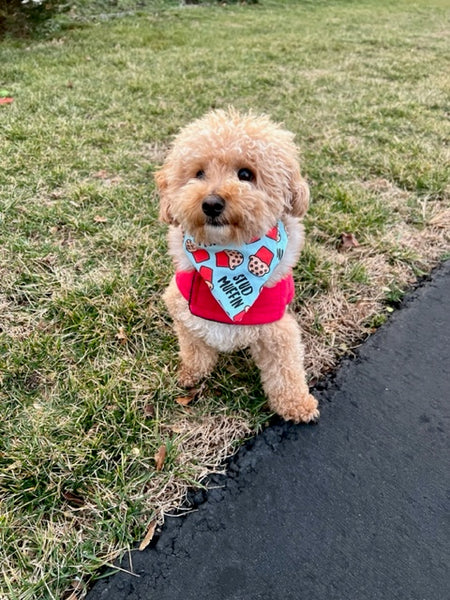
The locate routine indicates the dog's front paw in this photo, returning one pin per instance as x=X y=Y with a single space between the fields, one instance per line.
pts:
x=302 y=410
x=186 y=378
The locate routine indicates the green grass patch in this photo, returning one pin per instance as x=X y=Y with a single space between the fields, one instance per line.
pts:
x=87 y=353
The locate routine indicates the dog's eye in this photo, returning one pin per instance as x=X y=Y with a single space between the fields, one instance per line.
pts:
x=246 y=175
x=200 y=174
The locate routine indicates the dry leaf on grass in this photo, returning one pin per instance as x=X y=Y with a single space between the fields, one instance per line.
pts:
x=192 y=395
x=184 y=400
x=160 y=457
x=100 y=219
x=348 y=240
x=148 y=536
x=149 y=410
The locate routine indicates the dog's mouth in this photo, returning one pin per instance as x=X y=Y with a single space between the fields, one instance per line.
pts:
x=216 y=221
x=216 y=232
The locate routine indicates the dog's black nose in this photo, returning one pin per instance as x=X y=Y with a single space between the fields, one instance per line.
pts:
x=213 y=205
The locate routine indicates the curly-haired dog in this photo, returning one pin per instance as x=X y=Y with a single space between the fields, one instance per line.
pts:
x=232 y=193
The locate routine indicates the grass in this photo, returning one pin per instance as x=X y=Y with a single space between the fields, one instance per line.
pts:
x=87 y=354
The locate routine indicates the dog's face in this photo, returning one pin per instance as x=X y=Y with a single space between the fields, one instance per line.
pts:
x=228 y=178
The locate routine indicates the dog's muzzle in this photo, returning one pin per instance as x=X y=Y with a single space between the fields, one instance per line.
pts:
x=213 y=206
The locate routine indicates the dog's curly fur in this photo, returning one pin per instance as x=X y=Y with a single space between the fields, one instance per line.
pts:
x=205 y=160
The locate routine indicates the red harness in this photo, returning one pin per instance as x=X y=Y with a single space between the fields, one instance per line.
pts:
x=270 y=305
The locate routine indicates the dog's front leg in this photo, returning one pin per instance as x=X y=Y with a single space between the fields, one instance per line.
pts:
x=279 y=355
x=197 y=358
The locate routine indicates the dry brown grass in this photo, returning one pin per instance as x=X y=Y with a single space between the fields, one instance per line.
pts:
x=345 y=324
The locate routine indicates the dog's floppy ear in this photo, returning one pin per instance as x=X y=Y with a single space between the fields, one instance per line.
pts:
x=164 y=206
x=299 y=194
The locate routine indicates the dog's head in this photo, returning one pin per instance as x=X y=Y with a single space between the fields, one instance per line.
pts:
x=229 y=178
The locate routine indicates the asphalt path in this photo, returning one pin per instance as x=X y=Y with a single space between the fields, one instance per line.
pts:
x=353 y=508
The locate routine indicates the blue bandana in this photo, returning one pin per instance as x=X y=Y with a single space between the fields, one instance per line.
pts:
x=236 y=274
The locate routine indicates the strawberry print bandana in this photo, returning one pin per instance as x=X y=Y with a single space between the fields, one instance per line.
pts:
x=236 y=274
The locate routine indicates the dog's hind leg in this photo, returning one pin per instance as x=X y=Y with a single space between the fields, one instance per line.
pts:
x=278 y=352
x=197 y=358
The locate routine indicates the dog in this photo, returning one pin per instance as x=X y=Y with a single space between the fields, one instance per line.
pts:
x=232 y=194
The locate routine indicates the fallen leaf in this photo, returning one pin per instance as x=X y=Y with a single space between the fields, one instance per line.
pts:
x=184 y=400
x=348 y=240
x=160 y=457
x=100 y=219
x=148 y=536
x=192 y=395
x=149 y=410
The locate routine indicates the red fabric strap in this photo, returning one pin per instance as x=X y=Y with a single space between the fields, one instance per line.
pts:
x=270 y=305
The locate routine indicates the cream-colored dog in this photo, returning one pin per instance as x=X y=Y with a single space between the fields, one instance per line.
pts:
x=229 y=183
